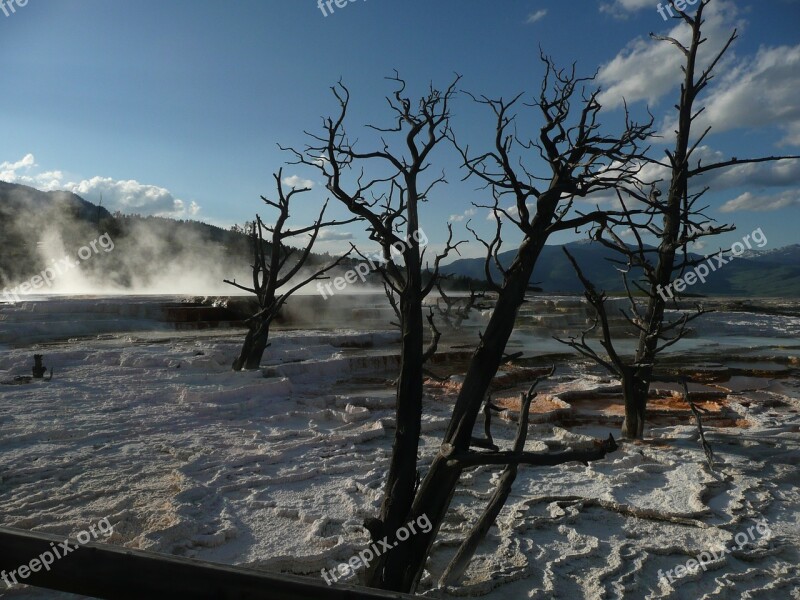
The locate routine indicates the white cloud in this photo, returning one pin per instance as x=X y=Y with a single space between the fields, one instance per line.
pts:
x=621 y=9
x=606 y=200
x=470 y=212
x=124 y=195
x=295 y=181
x=772 y=174
x=753 y=92
x=648 y=69
x=536 y=16
x=9 y=169
x=512 y=211
x=759 y=92
x=328 y=235
x=132 y=197
x=781 y=173
x=762 y=203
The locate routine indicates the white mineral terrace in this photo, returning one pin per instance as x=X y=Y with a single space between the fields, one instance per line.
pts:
x=145 y=423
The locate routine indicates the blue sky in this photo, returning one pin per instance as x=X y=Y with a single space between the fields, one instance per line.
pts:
x=176 y=107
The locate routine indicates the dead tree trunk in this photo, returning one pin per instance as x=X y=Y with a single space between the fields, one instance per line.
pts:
x=682 y=223
x=456 y=310
x=635 y=389
x=39 y=369
x=435 y=334
x=677 y=223
x=572 y=176
x=389 y=204
x=272 y=271
x=254 y=346
x=466 y=551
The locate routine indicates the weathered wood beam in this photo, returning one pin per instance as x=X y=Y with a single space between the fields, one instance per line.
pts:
x=104 y=571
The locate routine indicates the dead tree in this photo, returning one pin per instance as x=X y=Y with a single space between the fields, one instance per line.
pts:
x=580 y=160
x=389 y=202
x=435 y=334
x=454 y=311
x=276 y=265
x=468 y=547
x=676 y=222
x=39 y=370
x=466 y=550
x=696 y=410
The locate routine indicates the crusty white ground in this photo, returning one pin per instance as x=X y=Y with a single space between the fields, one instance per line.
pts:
x=184 y=456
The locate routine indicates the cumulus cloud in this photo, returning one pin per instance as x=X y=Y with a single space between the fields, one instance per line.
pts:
x=512 y=211
x=128 y=196
x=470 y=212
x=762 y=203
x=9 y=169
x=328 y=235
x=648 y=69
x=536 y=16
x=133 y=197
x=752 y=92
x=762 y=176
x=621 y=9
x=781 y=173
x=758 y=92
x=777 y=174
x=295 y=181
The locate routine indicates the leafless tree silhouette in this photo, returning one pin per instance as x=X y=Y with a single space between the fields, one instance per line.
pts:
x=276 y=265
x=389 y=202
x=580 y=160
x=675 y=221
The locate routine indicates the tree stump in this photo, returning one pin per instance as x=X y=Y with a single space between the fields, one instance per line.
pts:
x=38 y=368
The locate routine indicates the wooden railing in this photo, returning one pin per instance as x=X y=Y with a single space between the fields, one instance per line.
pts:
x=104 y=571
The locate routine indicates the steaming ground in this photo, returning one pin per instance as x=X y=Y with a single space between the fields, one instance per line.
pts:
x=277 y=472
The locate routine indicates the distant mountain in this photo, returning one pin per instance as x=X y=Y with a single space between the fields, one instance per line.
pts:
x=24 y=213
x=18 y=199
x=772 y=273
x=147 y=246
x=788 y=255
x=30 y=218
x=149 y=252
